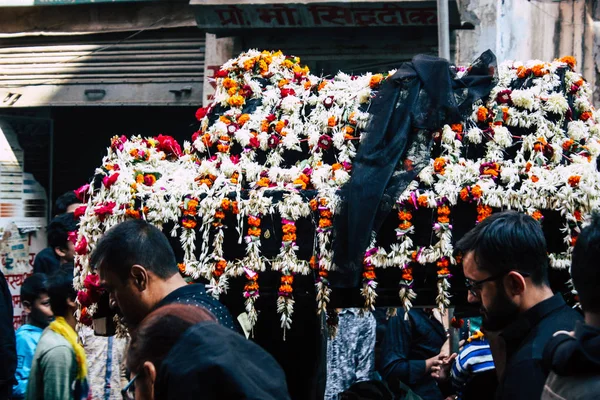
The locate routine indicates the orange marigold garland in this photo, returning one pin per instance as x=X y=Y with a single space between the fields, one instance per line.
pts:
x=324 y=263
x=189 y=210
x=254 y=207
x=368 y=290
x=405 y=228
x=291 y=208
x=216 y=271
x=443 y=230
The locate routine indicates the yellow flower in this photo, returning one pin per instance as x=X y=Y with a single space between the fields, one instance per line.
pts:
x=236 y=101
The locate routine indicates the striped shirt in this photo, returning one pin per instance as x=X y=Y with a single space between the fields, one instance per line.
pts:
x=474 y=358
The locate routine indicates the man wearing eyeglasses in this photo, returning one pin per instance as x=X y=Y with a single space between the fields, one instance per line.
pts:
x=505 y=264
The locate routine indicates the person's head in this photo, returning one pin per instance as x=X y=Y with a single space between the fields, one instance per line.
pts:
x=505 y=264
x=62 y=293
x=66 y=202
x=584 y=266
x=62 y=233
x=136 y=263
x=35 y=300
x=154 y=338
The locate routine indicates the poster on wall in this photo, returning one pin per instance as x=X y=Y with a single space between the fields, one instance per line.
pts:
x=23 y=219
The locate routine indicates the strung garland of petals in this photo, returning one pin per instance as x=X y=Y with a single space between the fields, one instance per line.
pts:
x=405 y=228
x=218 y=282
x=368 y=290
x=291 y=208
x=255 y=207
x=443 y=230
x=322 y=205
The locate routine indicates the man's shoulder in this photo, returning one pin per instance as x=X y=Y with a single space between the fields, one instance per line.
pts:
x=52 y=343
x=564 y=318
x=577 y=387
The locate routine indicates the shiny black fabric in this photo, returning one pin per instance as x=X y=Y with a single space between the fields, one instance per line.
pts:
x=211 y=362
x=419 y=98
x=8 y=353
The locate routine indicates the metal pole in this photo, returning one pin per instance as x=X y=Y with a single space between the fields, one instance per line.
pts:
x=443 y=29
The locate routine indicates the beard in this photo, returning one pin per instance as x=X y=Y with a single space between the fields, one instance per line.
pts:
x=500 y=313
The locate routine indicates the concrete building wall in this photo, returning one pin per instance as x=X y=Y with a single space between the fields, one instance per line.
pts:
x=536 y=29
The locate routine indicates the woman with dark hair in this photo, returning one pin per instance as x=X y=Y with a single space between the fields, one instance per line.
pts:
x=180 y=352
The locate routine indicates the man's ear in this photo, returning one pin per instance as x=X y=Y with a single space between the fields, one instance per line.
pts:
x=139 y=276
x=27 y=306
x=149 y=371
x=516 y=284
x=60 y=252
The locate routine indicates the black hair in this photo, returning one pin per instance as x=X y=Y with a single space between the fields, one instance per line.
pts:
x=584 y=266
x=135 y=242
x=508 y=241
x=33 y=287
x=64 y=201
x=59 y=228
x=60 y=289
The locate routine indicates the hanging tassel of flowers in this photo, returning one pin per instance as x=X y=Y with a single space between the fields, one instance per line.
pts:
x=443 y=230
x=189 y=210
x=405 y=228
x=218 y=282
x=324 y=263
x=291 y=208
x=368 y=290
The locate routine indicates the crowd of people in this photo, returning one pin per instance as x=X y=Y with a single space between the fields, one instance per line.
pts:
x=185 y=344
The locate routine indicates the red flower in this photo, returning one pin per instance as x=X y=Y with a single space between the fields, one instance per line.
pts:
x=254 y=142
x=235 y=159
x=104 y=210
x=325 y=142
x=196 y=135
x=81 y=247
x=84 y=298
x=82 y=192
x=92 y=282
x=222 y=73
x=117 y=142
x=503 y=97
x=108 y=181
x=271 y=117
x=168 y=145
x=273 y=141
x=79 y=211
x=287 y=92
x=201 y=113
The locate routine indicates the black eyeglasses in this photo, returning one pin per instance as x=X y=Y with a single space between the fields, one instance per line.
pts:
x=128 y=391
x=475 y=286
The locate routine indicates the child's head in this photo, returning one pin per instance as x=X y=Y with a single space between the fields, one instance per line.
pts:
x=60 y=237
x=66 y=202
x=35 y=300
x=62 y=293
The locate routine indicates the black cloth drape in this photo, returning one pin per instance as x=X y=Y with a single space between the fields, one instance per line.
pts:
x=419 y=98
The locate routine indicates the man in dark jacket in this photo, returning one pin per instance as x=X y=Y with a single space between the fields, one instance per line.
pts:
x=505 y=263
x=8 y=352
x=574 y=357
x=137 y=266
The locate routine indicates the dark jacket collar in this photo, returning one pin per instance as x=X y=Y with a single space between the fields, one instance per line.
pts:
x=516 y=331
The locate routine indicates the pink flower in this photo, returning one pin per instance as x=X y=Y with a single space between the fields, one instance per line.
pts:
x=273 y=141
x=287 y=92
x=254 y=142
x=92 y=282
x=105 y=209
x=201 y=113
x=108 y=181
x=79 y=211
x=168 y=145
x=81 y=247
x=84 y=298
x=72 y=237
x=81 y=193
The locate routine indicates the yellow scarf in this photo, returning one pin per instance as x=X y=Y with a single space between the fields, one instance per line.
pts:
x=60 y=326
